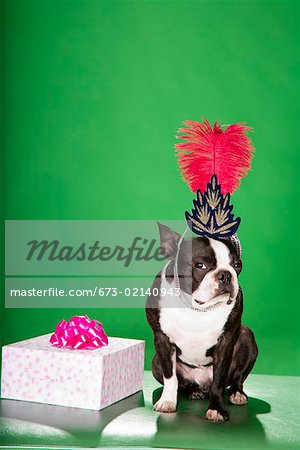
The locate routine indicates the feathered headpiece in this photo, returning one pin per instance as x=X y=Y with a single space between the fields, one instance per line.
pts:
x=213 y=160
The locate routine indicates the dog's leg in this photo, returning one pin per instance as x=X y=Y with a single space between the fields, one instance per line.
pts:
x=244 y=356
x=166 y=355
x=221 y=360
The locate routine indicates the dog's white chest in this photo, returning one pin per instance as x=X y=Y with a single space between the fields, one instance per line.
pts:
x=194 y=332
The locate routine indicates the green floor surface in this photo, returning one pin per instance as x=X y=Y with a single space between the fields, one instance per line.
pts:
x=270 y=420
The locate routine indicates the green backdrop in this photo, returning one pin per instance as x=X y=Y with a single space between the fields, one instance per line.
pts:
x=93 y=92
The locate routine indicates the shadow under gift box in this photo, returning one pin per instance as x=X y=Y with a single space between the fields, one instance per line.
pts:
x=35 y=371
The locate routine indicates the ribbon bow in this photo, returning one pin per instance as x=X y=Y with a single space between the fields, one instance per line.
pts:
x=80 y=333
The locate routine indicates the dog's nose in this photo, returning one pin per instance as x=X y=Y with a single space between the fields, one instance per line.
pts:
x=224 y=277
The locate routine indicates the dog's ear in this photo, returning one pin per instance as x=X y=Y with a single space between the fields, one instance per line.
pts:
x=168 y=241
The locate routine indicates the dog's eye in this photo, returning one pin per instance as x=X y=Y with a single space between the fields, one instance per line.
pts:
x=237 y=265
x=200 y=265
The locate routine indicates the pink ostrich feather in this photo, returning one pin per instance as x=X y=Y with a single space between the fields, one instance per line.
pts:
x=206 y=150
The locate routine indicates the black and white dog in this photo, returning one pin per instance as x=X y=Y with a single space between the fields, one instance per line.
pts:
x=200 y=343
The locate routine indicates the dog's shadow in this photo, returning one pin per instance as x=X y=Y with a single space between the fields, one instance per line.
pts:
x=189 y=428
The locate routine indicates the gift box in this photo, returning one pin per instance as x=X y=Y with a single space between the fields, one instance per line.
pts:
x=34 y=370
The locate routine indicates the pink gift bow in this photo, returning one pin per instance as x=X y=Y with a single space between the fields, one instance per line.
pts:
x=79 y=333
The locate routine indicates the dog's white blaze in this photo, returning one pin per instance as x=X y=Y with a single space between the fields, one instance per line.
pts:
x=221 y=252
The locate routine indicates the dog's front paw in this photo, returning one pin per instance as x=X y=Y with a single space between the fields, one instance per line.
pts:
x=165 y=406
x=238 y=398
x=216 y=416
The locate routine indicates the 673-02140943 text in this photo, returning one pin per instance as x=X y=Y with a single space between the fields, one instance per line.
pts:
x=96 y=292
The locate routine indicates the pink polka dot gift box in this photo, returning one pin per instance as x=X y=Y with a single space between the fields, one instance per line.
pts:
x=80 y=372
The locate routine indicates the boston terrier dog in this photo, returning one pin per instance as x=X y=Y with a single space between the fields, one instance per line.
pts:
x=201 y=344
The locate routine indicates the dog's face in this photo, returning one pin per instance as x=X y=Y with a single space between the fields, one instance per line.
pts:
x=208 y=268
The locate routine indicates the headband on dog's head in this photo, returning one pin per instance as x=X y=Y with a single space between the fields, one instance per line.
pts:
x=213 y=160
